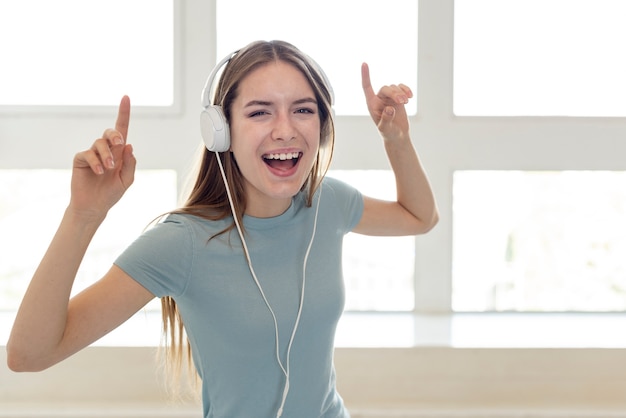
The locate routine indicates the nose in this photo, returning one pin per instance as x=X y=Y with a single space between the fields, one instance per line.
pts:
x=283 y=129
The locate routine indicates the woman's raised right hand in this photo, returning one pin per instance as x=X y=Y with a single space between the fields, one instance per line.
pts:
x=102 y=174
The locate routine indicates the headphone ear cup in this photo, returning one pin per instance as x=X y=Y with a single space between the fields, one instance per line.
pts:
x=214 y=129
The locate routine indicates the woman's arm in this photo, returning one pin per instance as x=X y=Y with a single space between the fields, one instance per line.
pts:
x=415 y=210
x=48 y=327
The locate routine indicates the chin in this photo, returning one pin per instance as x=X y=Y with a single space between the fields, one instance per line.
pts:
x=285 y=191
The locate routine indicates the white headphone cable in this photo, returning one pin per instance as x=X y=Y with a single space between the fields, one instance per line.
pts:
x=295 y=327
x=284 y=368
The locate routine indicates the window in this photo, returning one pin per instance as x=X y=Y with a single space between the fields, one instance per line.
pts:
x=539 y=241
x=435 y=271
x=539 y=58
x=32 y=204
x=77 y=53
x=338 y=35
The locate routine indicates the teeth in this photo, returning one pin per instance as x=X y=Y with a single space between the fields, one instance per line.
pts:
x=282 y=156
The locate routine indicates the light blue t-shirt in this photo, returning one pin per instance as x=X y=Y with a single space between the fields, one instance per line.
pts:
x=230 y=328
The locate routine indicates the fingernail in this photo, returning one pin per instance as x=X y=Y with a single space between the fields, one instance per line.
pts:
x=99 y=169
x=118 y=140
x=110 y=163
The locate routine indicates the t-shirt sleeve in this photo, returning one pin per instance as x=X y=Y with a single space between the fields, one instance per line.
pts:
x=348 y=201
x=161 y=258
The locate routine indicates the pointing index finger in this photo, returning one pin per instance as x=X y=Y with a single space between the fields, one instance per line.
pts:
x=365 y=81
x=123 y=117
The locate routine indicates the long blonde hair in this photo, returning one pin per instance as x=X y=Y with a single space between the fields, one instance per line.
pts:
x=208 y=198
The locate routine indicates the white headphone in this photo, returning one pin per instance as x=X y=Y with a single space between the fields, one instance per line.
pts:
x=213 y=123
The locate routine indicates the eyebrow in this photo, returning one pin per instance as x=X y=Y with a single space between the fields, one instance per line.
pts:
x=266 y=103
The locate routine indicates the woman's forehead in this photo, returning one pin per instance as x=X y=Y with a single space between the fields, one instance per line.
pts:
x=275 y=77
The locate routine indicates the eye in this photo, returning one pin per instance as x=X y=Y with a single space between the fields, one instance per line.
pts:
x=305 y=110
x=258 y=113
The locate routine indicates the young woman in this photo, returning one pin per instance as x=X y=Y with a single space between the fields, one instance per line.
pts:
x=251 y=264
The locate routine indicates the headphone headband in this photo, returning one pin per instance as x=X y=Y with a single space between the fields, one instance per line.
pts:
x=207 y=91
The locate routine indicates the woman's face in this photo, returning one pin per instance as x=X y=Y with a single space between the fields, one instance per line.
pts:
x=275 y=136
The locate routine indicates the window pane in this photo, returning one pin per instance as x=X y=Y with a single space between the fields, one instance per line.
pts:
x=539 y=241
x=338 y=35
x=539 y=57
x=73 y=52
x=378 y=271
x=32 y=204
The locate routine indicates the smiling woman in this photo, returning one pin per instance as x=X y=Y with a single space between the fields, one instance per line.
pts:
x=280 y=223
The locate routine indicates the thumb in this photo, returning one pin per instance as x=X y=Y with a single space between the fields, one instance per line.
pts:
x=127 y=173
x=386 y=118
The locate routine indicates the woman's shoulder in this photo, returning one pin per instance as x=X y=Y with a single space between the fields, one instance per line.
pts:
x=336 y=186
x=342 y=199
x=188 y=224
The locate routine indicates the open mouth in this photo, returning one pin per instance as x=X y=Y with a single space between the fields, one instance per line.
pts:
x=282 y=161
